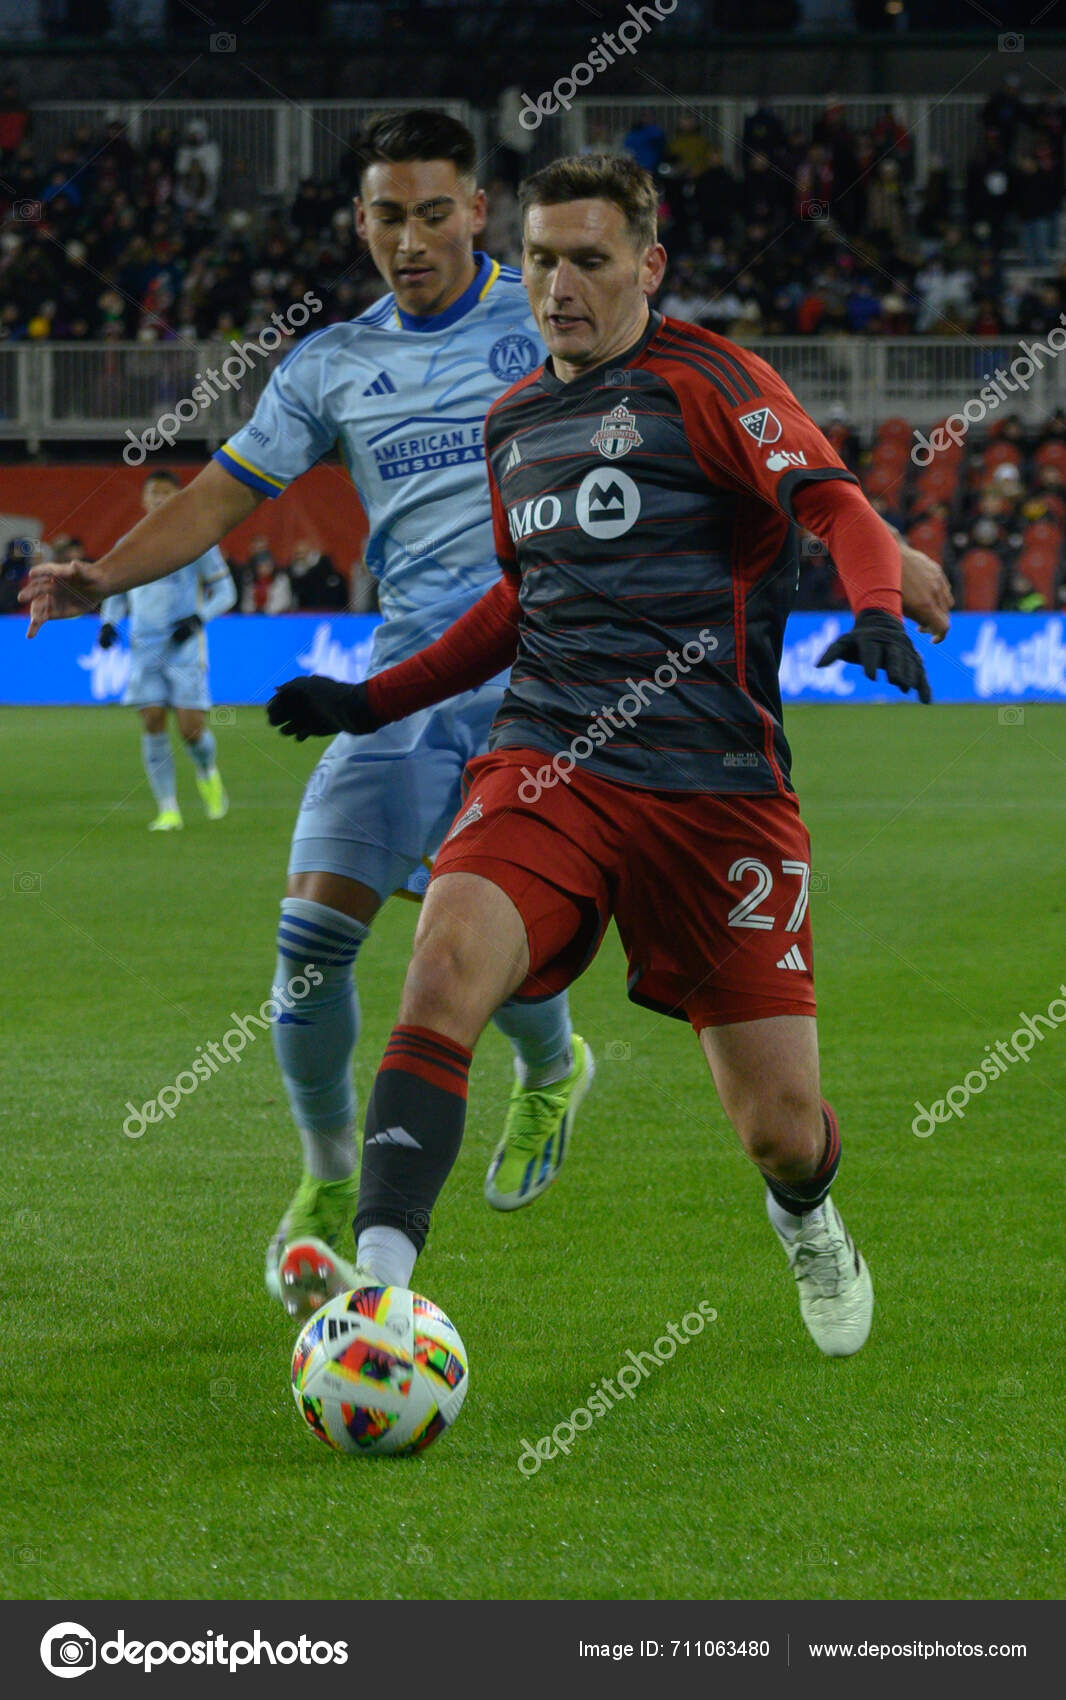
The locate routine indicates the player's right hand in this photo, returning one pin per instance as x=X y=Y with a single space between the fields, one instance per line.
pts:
x=318 y=707
x=107 y=635
x=57 y=590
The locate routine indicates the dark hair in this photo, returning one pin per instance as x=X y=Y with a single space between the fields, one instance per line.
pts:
x=163 y=475
x=598 y=177
x=396 y=137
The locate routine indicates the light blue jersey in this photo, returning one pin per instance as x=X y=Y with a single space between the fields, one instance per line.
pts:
x=203 y=587
x=163 y=672
x=405 y=400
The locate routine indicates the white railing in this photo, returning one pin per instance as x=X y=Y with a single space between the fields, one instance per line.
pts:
x=279 y=141
x=51 y=392
x=937 y=125
x=282 y=141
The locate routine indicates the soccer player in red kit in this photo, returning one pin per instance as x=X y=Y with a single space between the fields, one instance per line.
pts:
x=647 y=483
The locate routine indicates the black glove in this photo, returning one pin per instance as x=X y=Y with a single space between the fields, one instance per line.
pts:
x=108 y=635
x=317 y=707
x=878 y=642
x=185 y=629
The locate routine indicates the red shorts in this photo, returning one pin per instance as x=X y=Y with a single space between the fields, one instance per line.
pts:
x=708 y=891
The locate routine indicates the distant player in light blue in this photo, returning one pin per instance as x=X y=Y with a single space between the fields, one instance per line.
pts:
x=168 y=654
x=403 y=391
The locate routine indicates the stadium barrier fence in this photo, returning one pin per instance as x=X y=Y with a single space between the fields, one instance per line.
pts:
x=1003 y=660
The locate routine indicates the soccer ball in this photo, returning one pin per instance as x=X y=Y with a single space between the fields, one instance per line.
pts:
x=380 y=1369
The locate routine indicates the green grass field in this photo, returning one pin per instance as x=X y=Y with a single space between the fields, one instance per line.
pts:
x=153 y=1448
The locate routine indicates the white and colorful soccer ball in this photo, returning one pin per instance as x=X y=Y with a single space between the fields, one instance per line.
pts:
x=377 y=1370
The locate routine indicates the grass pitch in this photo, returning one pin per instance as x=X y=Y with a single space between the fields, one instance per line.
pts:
x=150 y=1428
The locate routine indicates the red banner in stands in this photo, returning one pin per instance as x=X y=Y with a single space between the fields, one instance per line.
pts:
x=100 y=503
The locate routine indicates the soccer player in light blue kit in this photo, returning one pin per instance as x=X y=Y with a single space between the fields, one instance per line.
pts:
x=168 y=655
x=403 y=391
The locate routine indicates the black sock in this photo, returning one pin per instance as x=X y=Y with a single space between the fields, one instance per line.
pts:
x=801 y=1197
x=414 y=1128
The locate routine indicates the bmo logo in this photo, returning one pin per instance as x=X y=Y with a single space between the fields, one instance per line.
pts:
x=605 y=504
x=525 y=518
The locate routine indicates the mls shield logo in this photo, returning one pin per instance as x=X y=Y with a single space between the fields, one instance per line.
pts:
x=617 y=433
x=763 y=425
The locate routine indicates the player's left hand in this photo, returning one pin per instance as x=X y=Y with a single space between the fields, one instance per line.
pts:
x=927 y=597
x=185 y=629
x=318 y=707
x=879 y=644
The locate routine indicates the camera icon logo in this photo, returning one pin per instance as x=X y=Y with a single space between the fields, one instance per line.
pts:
x=68 y=1649
x=814 y=209
x=31 y=211
x=224 y=42
x=617 y=1050
x=223 y=716
x=1011 y=716
x=1011 y=43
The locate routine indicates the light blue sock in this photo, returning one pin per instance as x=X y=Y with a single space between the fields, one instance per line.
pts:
x=314 y=1040
x=540 y=1034
x=203 y=753
x=158 y=760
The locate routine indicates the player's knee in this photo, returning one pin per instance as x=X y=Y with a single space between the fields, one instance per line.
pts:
x=781 y=1130
x=442 y=983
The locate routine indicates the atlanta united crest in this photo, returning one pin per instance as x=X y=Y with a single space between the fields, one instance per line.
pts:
x=617 y=433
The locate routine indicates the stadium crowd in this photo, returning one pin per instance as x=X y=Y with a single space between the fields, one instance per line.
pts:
x=826 y=233
x=308 y=583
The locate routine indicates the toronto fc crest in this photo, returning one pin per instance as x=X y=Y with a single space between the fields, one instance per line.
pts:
x=617 y=433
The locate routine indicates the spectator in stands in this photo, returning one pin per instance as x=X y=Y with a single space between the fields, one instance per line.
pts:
x=717 y=197
x=265 y=587
x=1004 y=110
x=14 y=122
x=17 y=559
x=646 y=141
x=198 y=149
x=886 y=211
x=1020 y=597
x=891 y=140
x=315 y=581
x=990 y=182
x=1037 y=200
x=763 y=133
x=116 y=154
x=934 y=212
x=193 y=194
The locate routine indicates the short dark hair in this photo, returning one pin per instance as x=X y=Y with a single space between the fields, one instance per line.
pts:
x=598 y=177
x=393 y=138
x=163 y=475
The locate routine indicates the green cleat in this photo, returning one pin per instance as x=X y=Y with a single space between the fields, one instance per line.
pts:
x=319 y=1214
x=213 y=795
x=167 y=820
x=536 y=1135
x=836 y=1294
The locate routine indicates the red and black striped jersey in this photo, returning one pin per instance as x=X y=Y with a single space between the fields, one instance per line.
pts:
x=645 y=509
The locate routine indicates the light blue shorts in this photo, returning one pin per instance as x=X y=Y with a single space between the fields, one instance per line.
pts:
x=174 y=675
x=376 y=808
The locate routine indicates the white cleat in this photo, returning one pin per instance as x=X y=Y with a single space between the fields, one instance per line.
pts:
x=836 y=1294
x=310 y=1273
